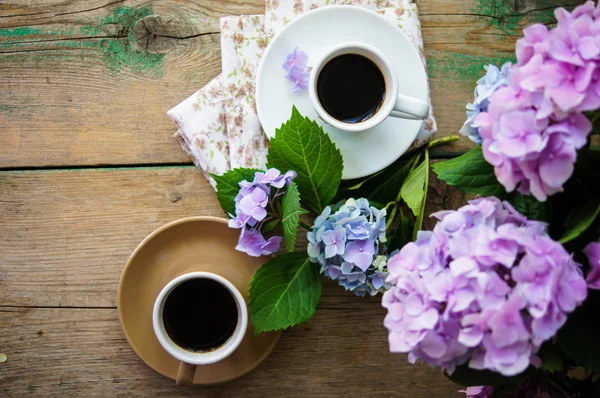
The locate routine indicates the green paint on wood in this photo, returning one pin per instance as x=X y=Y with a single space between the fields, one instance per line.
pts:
x=506 y=16
x=117 y=52
x=20 y=32
x=460 y=66
x=7 y=108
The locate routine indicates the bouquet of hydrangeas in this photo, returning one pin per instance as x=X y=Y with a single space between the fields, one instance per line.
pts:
x=501 y=294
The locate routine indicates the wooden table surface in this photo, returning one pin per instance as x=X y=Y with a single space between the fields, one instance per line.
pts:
x=88 y=168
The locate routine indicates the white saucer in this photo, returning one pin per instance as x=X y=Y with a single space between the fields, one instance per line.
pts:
x=314 y=33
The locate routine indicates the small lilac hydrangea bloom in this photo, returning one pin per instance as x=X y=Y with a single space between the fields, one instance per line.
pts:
x=535 y=124
x=296 y=59
x=348 y=241
x=486 y=287
x=296 y=69
x=254 y=244
x=592 y=251
x=478 y=392
x=486 y=86
x=254 y=207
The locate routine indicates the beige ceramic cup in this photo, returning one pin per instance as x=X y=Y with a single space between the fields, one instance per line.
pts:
x=191 y=360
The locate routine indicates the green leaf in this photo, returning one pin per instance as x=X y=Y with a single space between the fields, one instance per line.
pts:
x=402 y=235
x=551 y=358
x=271 y=225
x=414 y=192
x=384 y=186
x=465 y=376
x=579 y=220
x=414 y=187
x=470 y=173
x=529 y=206
x=284 y=292
x=302 y=145
x=291 y=215
x=228 y=187
x=579 y=337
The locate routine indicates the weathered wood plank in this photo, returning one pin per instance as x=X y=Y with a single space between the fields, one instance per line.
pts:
x=74 y=352
x=66 y=235
x=78 y=88
x=64 y=238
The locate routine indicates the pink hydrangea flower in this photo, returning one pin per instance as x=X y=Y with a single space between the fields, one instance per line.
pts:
x=478 y=392
x=486 y=287
x=533 y=127
x=592 y=251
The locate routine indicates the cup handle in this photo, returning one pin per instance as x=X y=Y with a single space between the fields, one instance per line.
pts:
x=185 y=374
x=410 y=108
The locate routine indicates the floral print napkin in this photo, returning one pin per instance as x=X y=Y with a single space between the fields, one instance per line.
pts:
x=218 y=125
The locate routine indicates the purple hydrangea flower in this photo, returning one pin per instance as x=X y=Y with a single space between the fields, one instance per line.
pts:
x=478 y=392
x=592 y=251
x=253 y=204
x=299 y=77
x=254 y=207
x=254 y=244
x=534 y=125
x=486 y=287
x=486 y=86
x=348 y=245
x=296 y=69
x=296 y=59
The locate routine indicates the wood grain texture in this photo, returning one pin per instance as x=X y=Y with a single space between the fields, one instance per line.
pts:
x=88 y=83
x=66 y=235
x=82 y=352
x=64 y=239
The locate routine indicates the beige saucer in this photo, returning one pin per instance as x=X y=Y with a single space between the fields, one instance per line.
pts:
x=186 y=245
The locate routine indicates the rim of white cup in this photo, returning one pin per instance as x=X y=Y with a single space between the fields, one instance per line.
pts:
x=207 y=357
x=391 y=87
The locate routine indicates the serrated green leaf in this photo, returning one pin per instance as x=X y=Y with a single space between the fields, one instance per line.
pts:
x=291 y=215
x=284 y=292
x=302 y=145
x=470 y=173
x=579 y=221
x=579 y=337
x=414 y=192
x=529 y=206
x=228 y=187
x=551 y=358
x=384 y=186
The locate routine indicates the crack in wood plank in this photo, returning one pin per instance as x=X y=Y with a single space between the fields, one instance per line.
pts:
x=90 y=9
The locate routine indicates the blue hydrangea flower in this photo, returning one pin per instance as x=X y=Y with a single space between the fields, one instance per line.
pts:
x=348 y=242
x=486 y=86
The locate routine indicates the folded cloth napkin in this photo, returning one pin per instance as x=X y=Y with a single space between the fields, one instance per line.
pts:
x=218 y=125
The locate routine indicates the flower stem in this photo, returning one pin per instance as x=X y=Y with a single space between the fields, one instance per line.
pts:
x=442 y=141
x=306 y=227
x=558 y=388
x=390 y=220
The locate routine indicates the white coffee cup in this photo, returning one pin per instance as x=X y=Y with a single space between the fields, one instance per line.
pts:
x=189 y=360
x=394 y=103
